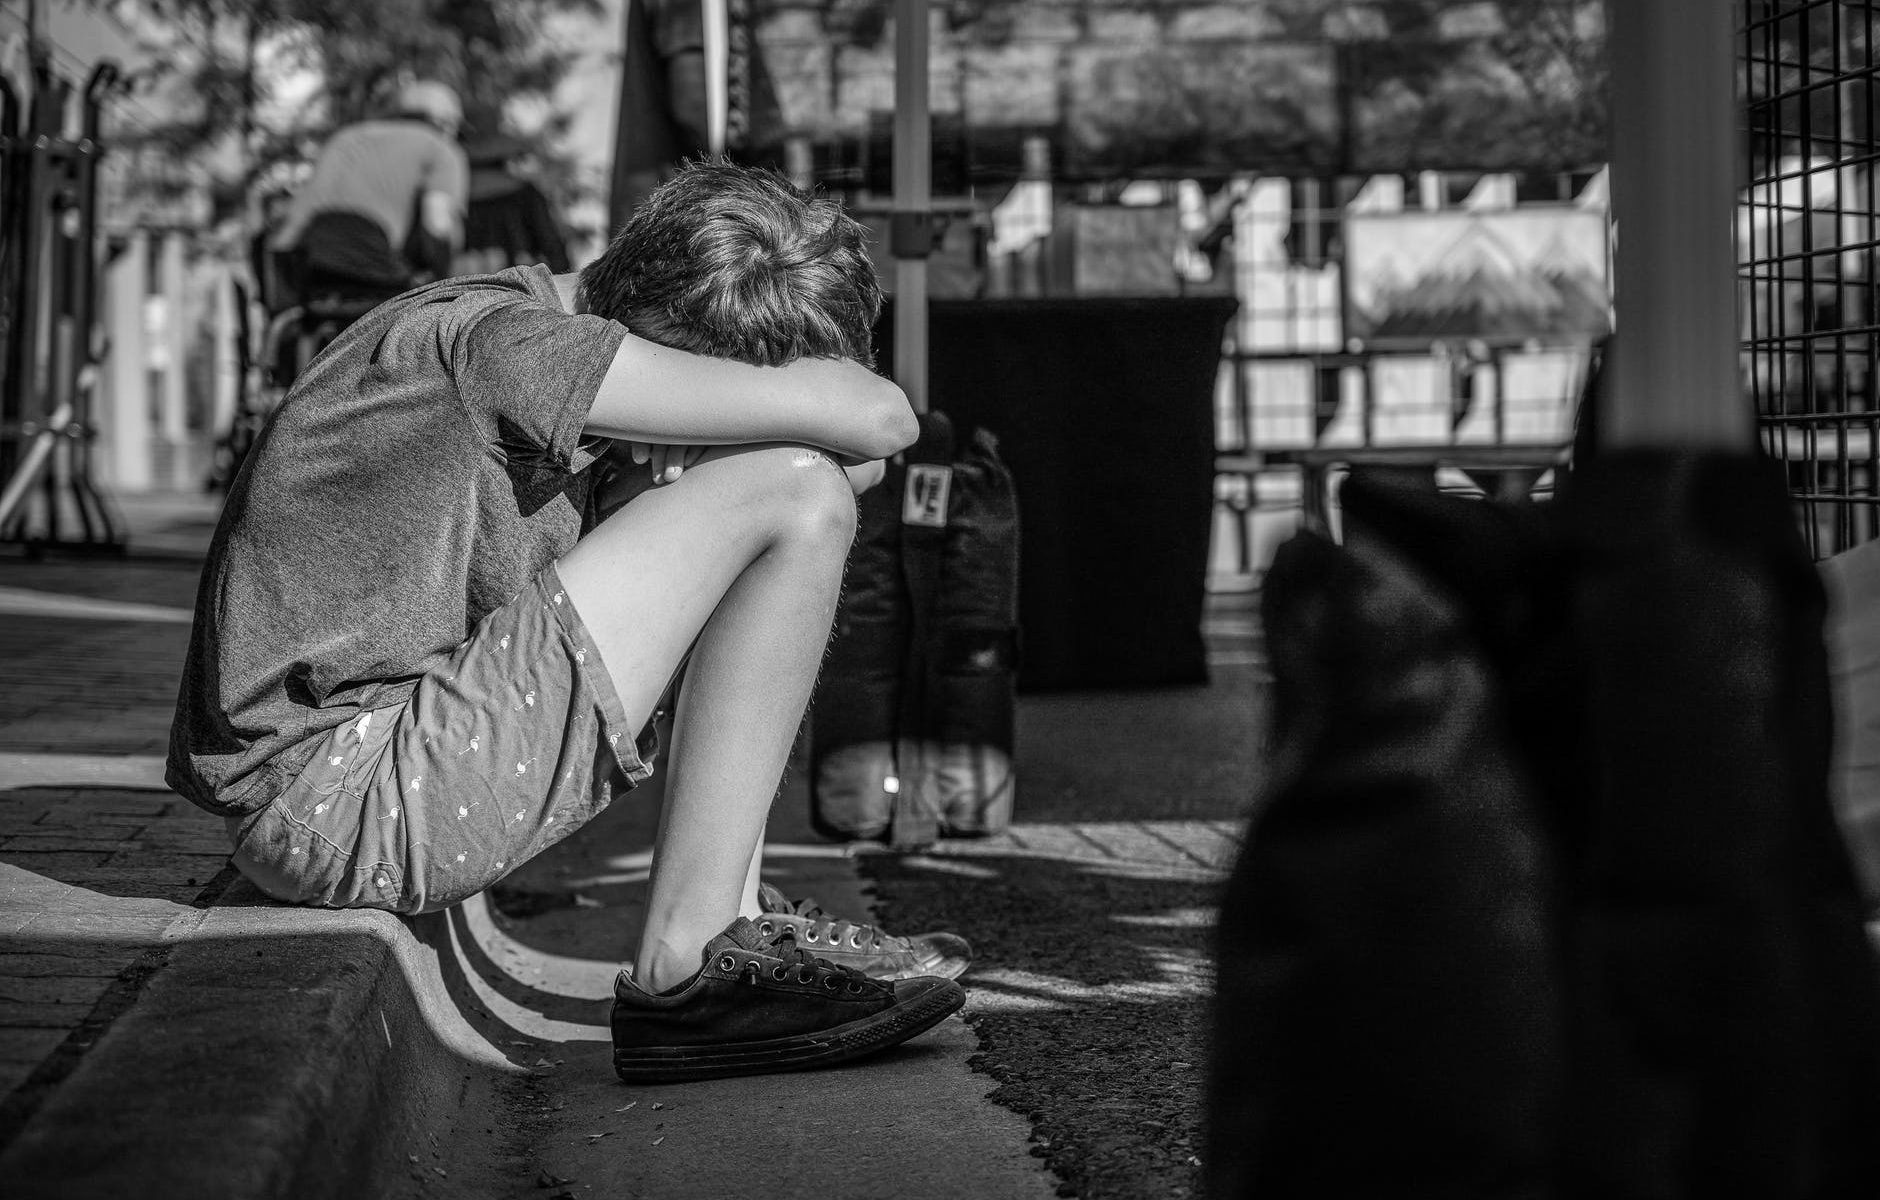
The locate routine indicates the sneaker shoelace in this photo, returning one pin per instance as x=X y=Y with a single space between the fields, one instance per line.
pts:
x=800 y=963
x=833 y=930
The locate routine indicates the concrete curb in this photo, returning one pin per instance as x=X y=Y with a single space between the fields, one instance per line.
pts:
x=264 y=1050
x=277 y=1052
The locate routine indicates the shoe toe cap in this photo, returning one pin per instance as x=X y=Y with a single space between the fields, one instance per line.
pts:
x=943 y=954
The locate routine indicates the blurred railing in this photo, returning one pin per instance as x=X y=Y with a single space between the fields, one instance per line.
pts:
x=1488 y=417
x=49 y=308
x=1808 y=248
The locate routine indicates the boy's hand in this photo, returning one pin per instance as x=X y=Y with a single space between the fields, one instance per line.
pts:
x=666 y=463
x=864 y=475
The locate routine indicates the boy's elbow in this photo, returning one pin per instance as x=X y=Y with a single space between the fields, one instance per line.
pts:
x=898 y=429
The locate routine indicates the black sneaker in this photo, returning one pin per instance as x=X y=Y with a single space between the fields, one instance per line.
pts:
x=766 y=1004
x=872 y=951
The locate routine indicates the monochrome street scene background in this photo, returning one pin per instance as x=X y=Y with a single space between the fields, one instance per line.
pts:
x=1347 y=664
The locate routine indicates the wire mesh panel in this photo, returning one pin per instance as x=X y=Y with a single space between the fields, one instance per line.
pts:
x=1808 y=249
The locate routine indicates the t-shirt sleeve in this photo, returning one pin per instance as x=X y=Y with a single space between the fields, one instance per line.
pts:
x=528 y=373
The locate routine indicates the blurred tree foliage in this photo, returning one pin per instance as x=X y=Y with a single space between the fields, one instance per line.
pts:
x=1318 y=85
x=1518 y=84
x=1426 y=84
x=250 y=88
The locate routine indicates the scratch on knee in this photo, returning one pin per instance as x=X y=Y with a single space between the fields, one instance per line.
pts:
x=810 y=456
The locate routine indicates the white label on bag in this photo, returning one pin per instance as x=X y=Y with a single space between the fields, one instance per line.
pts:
x=925 y=501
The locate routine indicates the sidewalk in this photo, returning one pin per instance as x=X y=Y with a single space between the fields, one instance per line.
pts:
x=164 y=1031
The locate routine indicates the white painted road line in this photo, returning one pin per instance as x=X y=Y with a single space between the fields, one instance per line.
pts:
x=19 y=770
x=25 y=602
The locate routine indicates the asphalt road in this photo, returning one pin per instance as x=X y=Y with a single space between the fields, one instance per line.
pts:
x=1095 y=937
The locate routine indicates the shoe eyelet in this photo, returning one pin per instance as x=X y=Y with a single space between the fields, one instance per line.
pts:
x=855 y=938
x=766 y=928
x=777 y=972
x=854 y=988
x=806 y=975
x=810 y=935
x=831 y=982
x=727 y=963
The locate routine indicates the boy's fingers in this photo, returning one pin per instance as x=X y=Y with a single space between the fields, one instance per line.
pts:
x=669 y=463
x=666 y=463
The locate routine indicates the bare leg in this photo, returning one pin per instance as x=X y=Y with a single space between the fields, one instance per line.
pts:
x=740 y=560
x=748 y=903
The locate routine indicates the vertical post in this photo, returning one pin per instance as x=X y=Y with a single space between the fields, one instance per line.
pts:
x=799 y=161
x=715 y=26
x=172 y=283
x=1676 y=171
x=86 y=270
x=126 y=415
x=646 y=137
x=911 y=216
x=225 y=362
x=914 y=809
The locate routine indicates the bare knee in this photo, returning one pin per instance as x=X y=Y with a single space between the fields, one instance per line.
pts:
x=804 y=492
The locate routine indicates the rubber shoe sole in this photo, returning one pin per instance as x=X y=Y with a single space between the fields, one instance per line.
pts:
x=825 y=1047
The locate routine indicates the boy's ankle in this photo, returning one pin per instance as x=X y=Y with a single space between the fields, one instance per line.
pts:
x=663 y=968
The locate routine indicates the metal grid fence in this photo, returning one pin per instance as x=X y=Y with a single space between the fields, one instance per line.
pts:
x=1808 y=250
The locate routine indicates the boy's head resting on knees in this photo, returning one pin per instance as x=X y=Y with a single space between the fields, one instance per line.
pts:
x=736 y=262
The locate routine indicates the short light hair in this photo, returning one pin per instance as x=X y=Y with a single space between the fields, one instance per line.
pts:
x=737 y=262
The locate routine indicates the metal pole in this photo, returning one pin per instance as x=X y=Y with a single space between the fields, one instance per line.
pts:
x=914 y=807
x=173 y=393
x=1676 y=171
x=910 y=234
x=128 y=450
x=14 y=249
x=717 y=49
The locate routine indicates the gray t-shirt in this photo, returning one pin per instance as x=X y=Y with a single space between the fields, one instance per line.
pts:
x=419 y=473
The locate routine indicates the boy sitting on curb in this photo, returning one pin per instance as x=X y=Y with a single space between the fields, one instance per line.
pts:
x=413 y=668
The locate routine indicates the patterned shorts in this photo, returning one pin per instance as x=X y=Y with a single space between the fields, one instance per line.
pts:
x=507 y=748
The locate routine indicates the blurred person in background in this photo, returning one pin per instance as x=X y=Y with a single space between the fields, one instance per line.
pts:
x=383 y=209
x=266 y=282
x=510 y=222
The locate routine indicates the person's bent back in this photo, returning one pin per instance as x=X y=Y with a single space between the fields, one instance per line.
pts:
x=379 y=189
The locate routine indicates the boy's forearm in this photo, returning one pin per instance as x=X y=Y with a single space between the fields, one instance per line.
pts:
x=656 y=394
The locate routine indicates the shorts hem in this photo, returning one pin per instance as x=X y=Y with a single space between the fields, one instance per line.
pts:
x=587 y=660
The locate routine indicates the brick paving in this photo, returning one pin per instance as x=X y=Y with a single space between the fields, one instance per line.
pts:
x=97 y=879
x=91 y=684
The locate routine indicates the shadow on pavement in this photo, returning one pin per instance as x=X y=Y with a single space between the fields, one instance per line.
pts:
x=475 y=964
x=1089 y=998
